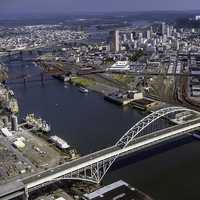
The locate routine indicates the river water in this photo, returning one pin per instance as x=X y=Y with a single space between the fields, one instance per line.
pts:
x=88 y=123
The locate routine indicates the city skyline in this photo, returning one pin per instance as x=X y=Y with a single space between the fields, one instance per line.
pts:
x=16 y=7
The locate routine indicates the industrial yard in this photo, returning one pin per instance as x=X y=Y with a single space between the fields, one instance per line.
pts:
x=24 y=153
x=27 y=148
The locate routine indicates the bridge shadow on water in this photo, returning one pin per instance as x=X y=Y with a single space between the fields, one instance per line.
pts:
x=150 y=152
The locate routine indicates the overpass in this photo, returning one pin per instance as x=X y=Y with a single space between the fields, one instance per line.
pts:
x=93 y=167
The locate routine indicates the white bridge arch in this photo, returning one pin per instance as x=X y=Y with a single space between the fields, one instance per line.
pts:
x=148 y=120
x=135 y=131
x=93 y=167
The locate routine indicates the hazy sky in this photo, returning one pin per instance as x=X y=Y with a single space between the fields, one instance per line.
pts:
x=65 y=6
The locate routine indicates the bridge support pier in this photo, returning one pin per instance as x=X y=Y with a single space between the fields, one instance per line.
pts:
x=42 y=77
x=26 y=195
x=25 y=81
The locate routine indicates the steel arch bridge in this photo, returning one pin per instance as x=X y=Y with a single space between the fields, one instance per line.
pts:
x=99 y=169
x=136 y=130
x=96 y=168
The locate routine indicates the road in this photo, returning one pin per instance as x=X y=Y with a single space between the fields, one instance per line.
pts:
x=88 y=160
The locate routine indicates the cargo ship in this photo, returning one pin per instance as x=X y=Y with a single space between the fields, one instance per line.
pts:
x=37 y=124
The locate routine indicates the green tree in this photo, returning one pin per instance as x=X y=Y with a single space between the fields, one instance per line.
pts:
x=138 y=54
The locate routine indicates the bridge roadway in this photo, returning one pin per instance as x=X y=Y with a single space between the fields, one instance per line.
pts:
x=136 y=145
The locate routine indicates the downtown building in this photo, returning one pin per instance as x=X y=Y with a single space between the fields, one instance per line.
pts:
x=115 y=41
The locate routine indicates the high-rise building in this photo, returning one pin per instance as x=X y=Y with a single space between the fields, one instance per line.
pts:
x=164 y=38
x=124 y=37
x=163 y=28
x=135 y=44
x=132 y=37
x=151 y=30
x=197 y=18
x=177 y=45
x=168 y=31
x=140 y=35
x=115 y=44
x=148 y=34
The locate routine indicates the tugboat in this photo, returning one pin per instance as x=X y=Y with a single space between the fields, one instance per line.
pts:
x=37 y=123
x=83 y=90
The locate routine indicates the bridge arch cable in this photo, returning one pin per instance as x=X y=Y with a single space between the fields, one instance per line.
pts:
x=135 y=131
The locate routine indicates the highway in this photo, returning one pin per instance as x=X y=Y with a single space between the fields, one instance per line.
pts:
x=88 y=160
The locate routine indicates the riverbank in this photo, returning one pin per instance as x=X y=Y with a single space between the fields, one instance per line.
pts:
x=89 y=124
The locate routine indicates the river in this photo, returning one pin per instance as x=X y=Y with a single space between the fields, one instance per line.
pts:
x=89 y=123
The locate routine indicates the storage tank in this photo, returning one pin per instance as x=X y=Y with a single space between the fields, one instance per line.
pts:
x=14 y=123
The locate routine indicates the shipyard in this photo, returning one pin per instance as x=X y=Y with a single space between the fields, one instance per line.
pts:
x=30 y=150
x=27 y=147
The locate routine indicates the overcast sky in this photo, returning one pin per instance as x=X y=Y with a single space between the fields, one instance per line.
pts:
x=66 y=6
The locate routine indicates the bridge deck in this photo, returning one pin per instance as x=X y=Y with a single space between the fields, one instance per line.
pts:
x=105 y=153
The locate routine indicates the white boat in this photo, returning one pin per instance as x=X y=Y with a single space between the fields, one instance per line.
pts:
x=83 y=90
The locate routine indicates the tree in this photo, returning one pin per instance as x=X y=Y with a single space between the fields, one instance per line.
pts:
x=138 y=54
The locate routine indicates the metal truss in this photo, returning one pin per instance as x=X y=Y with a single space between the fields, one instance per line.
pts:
x=136 y=130
x=92 y=173
x=96 y=172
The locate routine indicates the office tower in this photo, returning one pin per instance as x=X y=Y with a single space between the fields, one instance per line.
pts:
x=135 y=44
x=168 y=31
x=164 y=39
x=197 y=18
x=132 y=37
x=140 y=35
x=163 y=28
x=124 y=37
x=177 y=45
x=115 y=44
x=148 y=34
x=151 y=30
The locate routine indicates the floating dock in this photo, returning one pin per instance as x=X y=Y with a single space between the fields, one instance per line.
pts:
x=118 y=190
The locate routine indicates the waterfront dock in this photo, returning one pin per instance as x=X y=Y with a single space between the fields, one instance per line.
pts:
x=123 y=98
x=117 y=190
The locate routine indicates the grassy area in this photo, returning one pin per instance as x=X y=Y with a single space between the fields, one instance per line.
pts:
x=124 y=79
x=80 y=81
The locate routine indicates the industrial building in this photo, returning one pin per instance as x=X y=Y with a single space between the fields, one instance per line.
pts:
x=120 y=66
